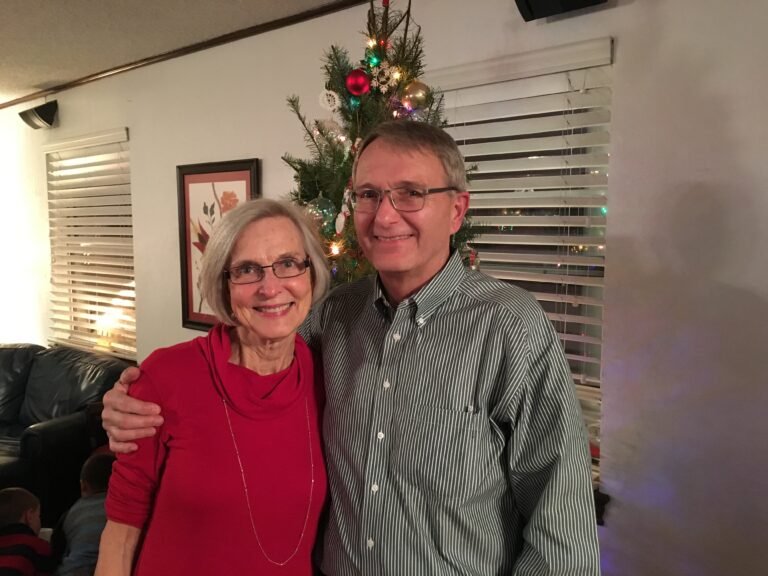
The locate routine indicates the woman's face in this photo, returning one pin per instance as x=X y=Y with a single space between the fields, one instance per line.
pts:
x=273 y=308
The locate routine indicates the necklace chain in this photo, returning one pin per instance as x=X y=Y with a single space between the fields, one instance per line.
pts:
x=248 y=498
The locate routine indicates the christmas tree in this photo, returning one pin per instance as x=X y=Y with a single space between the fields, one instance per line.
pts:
x=383 y=85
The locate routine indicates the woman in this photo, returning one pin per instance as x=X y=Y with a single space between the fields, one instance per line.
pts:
x=234 y=481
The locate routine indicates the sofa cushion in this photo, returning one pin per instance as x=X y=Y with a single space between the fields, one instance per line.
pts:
x=63 y=380
x=15 y=363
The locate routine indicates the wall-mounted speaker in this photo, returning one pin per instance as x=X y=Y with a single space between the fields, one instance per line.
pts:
x=533 y=9
x=42 y=116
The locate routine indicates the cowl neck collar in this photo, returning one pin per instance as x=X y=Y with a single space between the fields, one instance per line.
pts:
x=250 y=394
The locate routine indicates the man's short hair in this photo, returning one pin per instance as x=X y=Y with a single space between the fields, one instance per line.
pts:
x=14 y=502
x=413 y=136
x=96 y=472
x=218 y=251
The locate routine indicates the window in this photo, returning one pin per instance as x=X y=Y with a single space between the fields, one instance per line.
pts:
x=538 y=145
x=92 y=302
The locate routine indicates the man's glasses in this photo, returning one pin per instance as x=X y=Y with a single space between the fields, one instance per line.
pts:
x=403 y=199
x=249 y=272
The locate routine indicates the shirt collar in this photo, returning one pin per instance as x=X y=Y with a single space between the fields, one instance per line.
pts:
x=432 y=295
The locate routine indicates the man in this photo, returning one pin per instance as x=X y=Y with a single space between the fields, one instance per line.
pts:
x=453 y=436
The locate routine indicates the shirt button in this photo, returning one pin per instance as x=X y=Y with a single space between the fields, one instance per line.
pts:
x=420 y=321
x=375 y=488
x=369 y=543
x=396 y=337
x=380 y=435
x=386 y=384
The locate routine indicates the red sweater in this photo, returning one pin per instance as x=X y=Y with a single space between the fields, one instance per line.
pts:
x=184 y=486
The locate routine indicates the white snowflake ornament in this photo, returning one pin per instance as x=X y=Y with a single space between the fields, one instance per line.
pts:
x=330 y=100
x=384 y=77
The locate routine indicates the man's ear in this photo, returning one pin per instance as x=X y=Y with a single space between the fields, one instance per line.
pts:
x=459 y=210
x=27 y=517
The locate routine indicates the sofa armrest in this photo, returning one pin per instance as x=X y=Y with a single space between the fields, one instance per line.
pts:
x=54 y=452
x=55 y=437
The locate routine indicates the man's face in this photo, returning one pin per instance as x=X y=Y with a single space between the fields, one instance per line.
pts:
x=407 y=248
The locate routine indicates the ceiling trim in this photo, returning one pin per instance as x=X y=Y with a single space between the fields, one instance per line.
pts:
x=336 y=6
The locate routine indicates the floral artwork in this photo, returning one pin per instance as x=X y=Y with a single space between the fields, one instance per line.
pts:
x=206 y=193
x=201 y=230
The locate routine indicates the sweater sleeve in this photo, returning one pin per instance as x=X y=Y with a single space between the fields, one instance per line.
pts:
x=135 y=476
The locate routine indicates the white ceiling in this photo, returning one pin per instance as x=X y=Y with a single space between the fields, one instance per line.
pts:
x=48 y=43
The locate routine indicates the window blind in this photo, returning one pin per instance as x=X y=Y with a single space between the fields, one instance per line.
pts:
x=92 y=303
x=538 y=148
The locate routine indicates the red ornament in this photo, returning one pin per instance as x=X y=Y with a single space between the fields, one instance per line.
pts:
x=358 y=82
x=385 y=3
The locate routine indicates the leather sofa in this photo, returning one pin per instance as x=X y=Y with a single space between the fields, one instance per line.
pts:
x=50 y=419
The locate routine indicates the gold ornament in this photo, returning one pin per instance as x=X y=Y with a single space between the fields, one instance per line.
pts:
x=415 y=95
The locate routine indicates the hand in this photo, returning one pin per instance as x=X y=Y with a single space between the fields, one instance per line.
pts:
x=125 y=418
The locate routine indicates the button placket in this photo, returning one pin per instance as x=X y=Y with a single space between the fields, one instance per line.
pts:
x=379 y=450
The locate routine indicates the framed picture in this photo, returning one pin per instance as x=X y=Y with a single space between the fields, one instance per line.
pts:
x=206 y=193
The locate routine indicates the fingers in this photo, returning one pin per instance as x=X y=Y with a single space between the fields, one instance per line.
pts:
x=122 y=421
x=129 y=375
x=120 y=438
x=122 y=447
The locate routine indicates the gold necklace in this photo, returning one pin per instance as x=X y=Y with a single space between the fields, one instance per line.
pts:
x=248 y=499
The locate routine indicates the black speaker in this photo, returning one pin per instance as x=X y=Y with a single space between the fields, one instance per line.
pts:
x=42 y=116
x=533 y=9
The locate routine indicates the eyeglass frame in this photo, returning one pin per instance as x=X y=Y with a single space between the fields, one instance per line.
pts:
x=307 y=262
x=388 y=191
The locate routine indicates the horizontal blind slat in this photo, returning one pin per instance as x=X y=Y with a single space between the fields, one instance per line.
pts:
x=64 y=290
x=597 y=139
x=509 y=128
x=535 y=258
x=554 y=181
x=123 y=190
x=528 y=221
x=557 y=83
x=563 y=279
x=540 y=163
x=489 y=200
x=101 y=210
x=541 y=240
x=76 y=231
x=534 y=105
x=86 y=242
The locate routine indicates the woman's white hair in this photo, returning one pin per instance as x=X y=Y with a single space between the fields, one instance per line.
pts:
x=213 y=281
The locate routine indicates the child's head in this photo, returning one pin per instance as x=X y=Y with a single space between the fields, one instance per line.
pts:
x=19 y=506
x=94 y=476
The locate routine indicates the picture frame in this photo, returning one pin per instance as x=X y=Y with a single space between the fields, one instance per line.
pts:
x=206 y=193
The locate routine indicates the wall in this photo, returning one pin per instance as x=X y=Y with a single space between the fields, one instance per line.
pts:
x=687 y=284
x=24 y=245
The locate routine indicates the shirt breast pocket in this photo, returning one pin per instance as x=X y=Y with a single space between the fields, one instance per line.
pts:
x=435 y=451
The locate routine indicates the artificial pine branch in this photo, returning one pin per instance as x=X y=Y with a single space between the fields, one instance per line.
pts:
x=309 y=137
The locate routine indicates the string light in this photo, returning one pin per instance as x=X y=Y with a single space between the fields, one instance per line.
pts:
x=335 y=249
x=371 y=42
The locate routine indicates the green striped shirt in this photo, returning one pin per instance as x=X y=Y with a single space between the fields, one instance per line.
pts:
x=453 y=436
